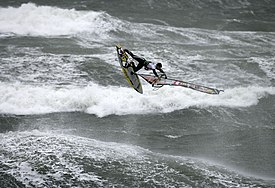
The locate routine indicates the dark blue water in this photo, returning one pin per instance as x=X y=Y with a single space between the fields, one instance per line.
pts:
x=68 y=117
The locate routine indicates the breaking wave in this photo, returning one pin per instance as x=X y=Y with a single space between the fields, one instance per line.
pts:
x=27 y=99
x=30 y=19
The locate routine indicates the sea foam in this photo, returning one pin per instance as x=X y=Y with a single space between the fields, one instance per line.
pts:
x=106 y=100
x=30 y=19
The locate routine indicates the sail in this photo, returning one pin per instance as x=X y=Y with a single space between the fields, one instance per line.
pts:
x=156 y=82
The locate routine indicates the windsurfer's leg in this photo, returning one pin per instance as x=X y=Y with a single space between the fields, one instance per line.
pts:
x=138 y=67
x=138 y=59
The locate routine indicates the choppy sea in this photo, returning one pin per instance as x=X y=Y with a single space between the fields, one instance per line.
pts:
x=68 y=117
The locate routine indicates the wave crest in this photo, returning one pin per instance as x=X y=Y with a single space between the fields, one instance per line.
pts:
x=103 y=101
x=30 y=19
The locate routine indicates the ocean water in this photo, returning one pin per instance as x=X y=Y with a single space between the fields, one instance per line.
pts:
x=68 y=117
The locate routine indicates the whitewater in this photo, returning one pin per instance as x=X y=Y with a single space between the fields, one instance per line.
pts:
x=25 y=99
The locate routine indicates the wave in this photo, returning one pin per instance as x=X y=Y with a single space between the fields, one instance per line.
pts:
x=35 y=20
x=59 y=159
x=47 y=153
x=30 y=19
x=27 y=99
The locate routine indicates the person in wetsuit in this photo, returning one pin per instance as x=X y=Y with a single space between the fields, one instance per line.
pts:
x=148 y=65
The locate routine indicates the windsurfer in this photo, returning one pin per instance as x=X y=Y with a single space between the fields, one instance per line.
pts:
x=148 y=65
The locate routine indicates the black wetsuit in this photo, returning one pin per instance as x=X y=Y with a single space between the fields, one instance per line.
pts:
x=141 y=63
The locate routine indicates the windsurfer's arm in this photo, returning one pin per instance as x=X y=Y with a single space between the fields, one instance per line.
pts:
x=163 y=73
x=155 y=73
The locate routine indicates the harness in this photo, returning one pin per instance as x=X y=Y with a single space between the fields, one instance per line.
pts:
x=146 y=63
